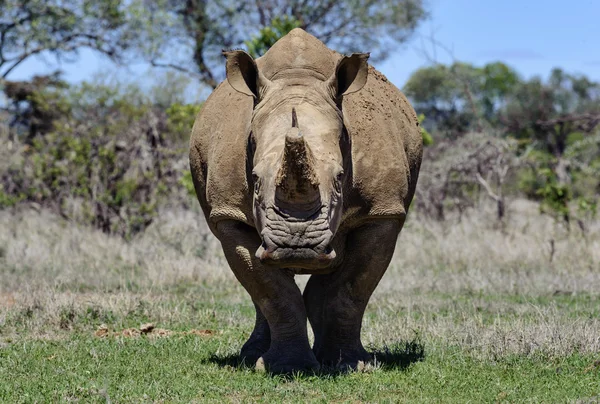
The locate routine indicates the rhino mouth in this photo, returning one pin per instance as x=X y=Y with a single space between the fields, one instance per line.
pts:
x=296 y=241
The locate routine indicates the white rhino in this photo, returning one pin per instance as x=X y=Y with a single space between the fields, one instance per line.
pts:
x=305 y=162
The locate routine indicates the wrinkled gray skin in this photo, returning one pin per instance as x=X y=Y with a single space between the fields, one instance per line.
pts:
x=308 y=196
x=297 y=175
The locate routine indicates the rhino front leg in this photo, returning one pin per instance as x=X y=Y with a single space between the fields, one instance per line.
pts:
x=277 y=297
x=259 y=341
x=336 y=302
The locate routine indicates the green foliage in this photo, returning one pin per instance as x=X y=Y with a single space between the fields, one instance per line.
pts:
x=575 y=137
x=455 y=97
x=587 y=207
x=36 y=104
x=529 y=182
x=189 y=36
x=550 y=113
x=431 y=86
x=259 y=44
x=499 y=81
x=552 y=120
x=427 y=138
x=171 y=88
x=458 y=97
x=110 y=159
x=180 y=119
x=539 y=181
x=576 y=196
x=7 y=200
x=555 y=197
x=188 y=183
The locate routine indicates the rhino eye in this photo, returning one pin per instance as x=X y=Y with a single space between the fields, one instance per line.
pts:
x=338 y=181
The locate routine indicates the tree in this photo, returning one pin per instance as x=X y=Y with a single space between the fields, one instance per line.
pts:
x=547 y=113
x=189 y=35
x=435 y=93
x=35 y=104
x=498 y=82
x=459 y=97
x=557 y=118
x=59 y=28
x=259 y=44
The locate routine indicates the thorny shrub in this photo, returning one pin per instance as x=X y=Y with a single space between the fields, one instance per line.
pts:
x=111 y=162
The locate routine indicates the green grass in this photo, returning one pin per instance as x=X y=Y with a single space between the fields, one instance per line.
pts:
x=70 y=362
x=188 y=368
x=183 y=369
x=453 y=350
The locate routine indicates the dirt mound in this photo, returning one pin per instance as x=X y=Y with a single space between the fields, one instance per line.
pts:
x=148 y=330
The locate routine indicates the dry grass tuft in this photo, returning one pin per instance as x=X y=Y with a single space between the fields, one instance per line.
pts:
x=474 y=255
x=43 y=252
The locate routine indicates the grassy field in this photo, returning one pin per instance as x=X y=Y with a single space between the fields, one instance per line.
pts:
x=467 y=312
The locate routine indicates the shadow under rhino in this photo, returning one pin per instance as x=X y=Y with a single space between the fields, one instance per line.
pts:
x=396 y=356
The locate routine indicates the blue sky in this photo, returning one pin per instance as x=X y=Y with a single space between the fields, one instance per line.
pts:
x=532 y=36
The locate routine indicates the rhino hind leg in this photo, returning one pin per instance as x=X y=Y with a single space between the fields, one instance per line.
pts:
x=336 y=302
x=278 y=299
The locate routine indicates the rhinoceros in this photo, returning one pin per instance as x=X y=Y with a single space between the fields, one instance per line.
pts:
x=305 y=161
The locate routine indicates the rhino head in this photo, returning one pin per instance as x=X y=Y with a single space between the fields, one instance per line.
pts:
x=297 y=157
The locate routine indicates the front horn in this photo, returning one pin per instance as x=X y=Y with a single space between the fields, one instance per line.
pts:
x=296 y=180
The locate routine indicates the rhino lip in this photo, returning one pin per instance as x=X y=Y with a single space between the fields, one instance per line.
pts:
x=289 y=241
x=295 y=257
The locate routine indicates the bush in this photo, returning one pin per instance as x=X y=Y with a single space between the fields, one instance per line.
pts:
x=427 y=138
x=112 y=161
x=555 y=197
x=180 y=119
x=575 y=193
x=529 y=180
x=456 y=173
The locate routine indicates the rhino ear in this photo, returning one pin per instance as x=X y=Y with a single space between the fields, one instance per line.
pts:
x=243 y=74
x=350 y=74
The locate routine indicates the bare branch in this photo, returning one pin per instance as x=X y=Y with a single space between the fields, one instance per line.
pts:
x=175 y=67
x=487 y=187
x=20 y=60
x=466 y=86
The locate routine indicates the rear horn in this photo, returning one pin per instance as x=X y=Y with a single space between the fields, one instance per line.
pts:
x=294 y=118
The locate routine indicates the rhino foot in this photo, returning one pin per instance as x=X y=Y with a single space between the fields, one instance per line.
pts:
x=343 y=359
x=252 y=350
x=281 y=360
x=259 y=341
